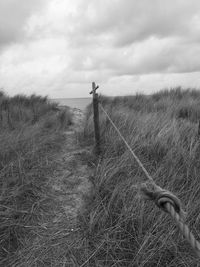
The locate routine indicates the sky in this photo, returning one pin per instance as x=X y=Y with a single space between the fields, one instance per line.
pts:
x=59 y=47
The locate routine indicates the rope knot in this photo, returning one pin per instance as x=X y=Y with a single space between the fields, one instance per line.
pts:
x=162 y=197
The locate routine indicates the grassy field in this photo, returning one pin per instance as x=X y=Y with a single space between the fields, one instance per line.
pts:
x=120 y=228
x=31 y=132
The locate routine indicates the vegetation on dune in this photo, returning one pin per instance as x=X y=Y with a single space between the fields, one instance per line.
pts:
x=120 y=228
x=117 y=227
x=31 y=132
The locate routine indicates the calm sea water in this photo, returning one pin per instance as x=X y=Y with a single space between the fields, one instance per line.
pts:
x=79 y=103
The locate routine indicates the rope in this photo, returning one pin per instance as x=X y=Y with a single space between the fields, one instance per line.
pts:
x=128 y=146
x=164 y=199
x=169 y=203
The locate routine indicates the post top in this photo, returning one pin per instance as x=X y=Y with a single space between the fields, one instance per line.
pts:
x=94 y=88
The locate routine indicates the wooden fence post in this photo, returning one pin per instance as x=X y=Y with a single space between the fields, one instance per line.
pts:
x=96 y=118
x=199 y=128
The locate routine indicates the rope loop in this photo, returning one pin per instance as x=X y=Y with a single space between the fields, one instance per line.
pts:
x=162 y=197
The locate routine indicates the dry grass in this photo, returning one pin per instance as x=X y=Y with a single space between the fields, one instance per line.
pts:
x=121 y=229
x=31 y=133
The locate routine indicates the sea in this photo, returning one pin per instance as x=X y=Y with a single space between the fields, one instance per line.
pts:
x=80 y=103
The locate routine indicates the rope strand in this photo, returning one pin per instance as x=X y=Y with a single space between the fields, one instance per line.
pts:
x=128 y=146
x=183 y=228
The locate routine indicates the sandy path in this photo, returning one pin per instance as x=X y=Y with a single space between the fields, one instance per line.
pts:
x=70 y=182
x=58 y=234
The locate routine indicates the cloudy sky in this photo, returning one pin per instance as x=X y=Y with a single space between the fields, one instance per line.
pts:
x=58 y=47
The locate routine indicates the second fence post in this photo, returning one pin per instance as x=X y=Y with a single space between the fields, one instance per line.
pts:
x=96 y=118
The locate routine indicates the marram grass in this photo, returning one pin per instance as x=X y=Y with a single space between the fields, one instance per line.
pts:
x=121 y=229
x=31 y=133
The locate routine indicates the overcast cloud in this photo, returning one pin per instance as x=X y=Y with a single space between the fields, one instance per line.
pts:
x=58 y=47
x=13 y=18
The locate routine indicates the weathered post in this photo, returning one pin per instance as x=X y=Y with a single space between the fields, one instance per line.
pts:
x=96 y=118
x=199 y=128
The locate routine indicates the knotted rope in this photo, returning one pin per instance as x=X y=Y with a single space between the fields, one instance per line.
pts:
x=169 y=203
x=164 y=199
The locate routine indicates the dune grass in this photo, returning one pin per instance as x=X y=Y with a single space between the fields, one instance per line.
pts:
x=31 y=132
x=120 y=228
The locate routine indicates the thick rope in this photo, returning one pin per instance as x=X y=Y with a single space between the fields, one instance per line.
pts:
x=169 y=203
x=164 y=199
x=183 y=228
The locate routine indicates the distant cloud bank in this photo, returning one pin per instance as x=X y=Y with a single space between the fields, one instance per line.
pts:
x=58 y=48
